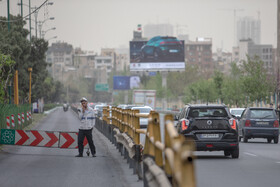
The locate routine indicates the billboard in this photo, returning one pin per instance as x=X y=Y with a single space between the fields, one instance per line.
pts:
x=160 y=53
x=126 y=82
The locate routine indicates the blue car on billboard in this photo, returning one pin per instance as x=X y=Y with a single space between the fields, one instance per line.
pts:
x=163 y=49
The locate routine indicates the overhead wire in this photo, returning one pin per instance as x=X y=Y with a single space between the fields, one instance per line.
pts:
x=15 y=20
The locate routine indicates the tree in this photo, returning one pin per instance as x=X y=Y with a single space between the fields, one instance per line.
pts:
x=203 y=90
x=255 y=81
x=26 y=54
x=218 y=81
x=6 y=68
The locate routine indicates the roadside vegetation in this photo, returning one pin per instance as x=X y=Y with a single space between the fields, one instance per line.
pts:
x=17 y=52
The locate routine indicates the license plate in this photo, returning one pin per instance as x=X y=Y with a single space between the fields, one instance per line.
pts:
x=209 y=136
x=262 y=123
x=173 y=51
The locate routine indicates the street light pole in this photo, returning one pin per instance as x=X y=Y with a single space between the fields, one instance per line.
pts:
x=30 y=19
x=36 y=16
x=30 y=71
x=8 y=7
x=21 y=8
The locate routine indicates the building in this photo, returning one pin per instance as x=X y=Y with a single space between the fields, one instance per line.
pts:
x=199 y=53
x=151 y=30
x=264 y=52
x=222 y=61
x=249 y=28
x=84 y=63
x=122 y=59
x=104 y=62
x=59 y=55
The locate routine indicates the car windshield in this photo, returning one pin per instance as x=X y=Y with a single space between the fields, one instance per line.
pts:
x=261 y=113
x=237 y=112
x=207 y=112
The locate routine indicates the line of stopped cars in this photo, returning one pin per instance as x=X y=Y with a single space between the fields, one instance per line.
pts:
x=218 y=128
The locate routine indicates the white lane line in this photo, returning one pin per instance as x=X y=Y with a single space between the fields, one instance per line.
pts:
x=250 y=154
x=277 y=162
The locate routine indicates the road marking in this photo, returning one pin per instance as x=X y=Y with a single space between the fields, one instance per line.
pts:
x=250 y=154
x=277 y=162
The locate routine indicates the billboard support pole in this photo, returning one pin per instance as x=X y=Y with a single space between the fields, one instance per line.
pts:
x=164 y=86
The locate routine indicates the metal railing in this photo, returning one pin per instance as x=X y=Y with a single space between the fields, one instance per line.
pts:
x=168 y=163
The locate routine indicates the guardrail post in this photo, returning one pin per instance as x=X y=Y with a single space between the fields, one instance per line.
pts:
x=187 y=165
x=157 y=137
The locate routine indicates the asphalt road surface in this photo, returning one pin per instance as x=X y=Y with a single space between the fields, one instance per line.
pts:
x=258 y=165
x=46 y=167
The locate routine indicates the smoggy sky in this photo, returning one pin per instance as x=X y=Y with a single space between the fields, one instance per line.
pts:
x=95 y=24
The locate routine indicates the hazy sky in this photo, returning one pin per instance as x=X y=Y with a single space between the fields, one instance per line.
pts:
x=94 y=24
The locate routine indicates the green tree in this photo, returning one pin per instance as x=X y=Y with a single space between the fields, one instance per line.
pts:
x=26 y=54
x=203 y=90
x=255 y=81
x=6 y=68
x=218 y=81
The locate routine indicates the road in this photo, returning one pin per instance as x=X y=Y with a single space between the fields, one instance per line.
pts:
x=45 y=167
x=258 y=165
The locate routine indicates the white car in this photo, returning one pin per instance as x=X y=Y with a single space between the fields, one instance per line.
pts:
x=237 y=112
x=143 y=110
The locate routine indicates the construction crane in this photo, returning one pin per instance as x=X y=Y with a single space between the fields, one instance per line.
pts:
x=234 y=10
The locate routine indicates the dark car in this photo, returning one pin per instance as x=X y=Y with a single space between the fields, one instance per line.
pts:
x=211 y=127
x=259 y=123
x=162 y=48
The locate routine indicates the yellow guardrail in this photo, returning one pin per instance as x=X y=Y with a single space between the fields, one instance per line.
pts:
x=173 y=158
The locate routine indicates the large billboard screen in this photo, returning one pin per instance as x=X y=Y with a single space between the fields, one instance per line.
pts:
x=126 y=82
x=160 y=53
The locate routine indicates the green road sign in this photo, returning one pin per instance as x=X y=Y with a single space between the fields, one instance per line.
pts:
x=7 y=136
x=101 y=87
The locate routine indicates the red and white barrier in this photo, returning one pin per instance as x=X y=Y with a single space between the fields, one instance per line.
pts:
x=30 y=117
x=22 y=119
x=27 y=116
x=8 y=122
x=13 y=120
x=19 y=119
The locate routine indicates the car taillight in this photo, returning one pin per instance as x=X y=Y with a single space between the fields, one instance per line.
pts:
x=185 y=124
x=232 y=123
x=247 y=123
x=276 y=123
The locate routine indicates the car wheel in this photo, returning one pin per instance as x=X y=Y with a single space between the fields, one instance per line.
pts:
x=245 y=139
x=268 y=140
x=235 y=153
x=226 y=153
x=276 y=139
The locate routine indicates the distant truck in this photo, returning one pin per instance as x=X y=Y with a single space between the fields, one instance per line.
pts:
x=145 y=97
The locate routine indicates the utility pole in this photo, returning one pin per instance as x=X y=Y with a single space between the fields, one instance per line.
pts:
x=8 y=8
x=278 y=51
x=30 y=20
x=21 y=5
x=30 y=72
x=36 y=16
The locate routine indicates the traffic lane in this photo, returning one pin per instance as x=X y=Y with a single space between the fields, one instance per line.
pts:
x=59 y=167
x=58 y=120
x=251 y=169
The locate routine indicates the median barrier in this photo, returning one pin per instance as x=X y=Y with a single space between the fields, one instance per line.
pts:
x=156 y=163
